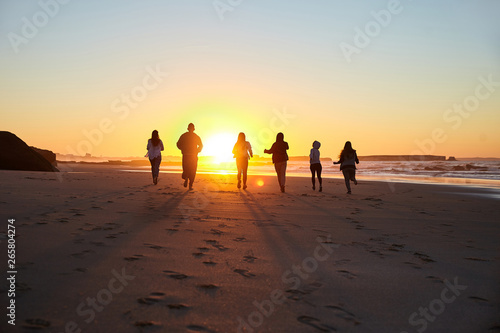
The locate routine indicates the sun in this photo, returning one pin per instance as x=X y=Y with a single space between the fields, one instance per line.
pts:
x=220 y=147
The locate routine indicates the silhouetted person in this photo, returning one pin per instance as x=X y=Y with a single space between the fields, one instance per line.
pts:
x=155 y=147
x=190 y=145
x=242 y=152
x=280 y=157
x=348 y=160
x=315 y=165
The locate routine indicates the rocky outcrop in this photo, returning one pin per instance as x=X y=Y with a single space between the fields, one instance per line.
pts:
x=47 y=154
x=15 y=154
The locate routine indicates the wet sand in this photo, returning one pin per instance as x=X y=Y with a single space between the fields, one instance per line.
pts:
x=107 y=251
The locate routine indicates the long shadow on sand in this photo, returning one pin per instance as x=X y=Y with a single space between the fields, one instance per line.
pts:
x=286 y=250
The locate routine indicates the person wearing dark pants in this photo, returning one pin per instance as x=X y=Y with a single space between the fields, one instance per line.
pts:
x=280 y=158
x=348 y=160
x=315 y=165
x=190 y=145
x=155 y=147
x=242 y=151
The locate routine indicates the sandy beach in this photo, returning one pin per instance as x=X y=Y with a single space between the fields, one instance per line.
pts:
x=101 y=250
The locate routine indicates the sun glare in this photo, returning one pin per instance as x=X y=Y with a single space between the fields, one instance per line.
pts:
x=220 y=147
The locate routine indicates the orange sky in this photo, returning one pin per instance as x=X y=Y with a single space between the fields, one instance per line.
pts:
x=98 y=78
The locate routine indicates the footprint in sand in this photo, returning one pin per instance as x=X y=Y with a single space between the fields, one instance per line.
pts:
x=204 y=249
x=423 y=257
x=177 y=306
x=134 y=257
x=147 y=323
x=314 y=322
x=82 y=254
x=340 y=312
x=295 y=294
x=36 y=323
x=412 y=264
x=153 y=298
x=208 y=287
x=395 y=247
x=216 y=232
x=475 y=259
x=244 y=272
x=479 y=299
x=342 y=261
x=198 y=328
x=153 y=246
x=220 y=247
x=176 y=275
x=372 y=199
x=249 y=258
x=434 y=278
x=347 y=274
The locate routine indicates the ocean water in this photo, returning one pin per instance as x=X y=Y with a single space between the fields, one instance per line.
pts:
x=488 y=170
x=466 y=172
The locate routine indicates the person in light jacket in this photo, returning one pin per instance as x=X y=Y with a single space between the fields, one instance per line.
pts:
x=155 y=147
x=242 y=151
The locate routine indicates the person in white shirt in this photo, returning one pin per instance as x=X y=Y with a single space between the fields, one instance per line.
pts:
x=155 y=147
x=315 y=165
x=242 y=152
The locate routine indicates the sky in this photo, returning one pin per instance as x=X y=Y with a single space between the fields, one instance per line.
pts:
x=392 y=77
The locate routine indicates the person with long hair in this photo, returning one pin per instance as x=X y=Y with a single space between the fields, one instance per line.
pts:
x=315 y=165
x=348 y=160
x=190 y=145
x=280 y=158
x=242 y=151
x=155 y=147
